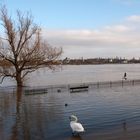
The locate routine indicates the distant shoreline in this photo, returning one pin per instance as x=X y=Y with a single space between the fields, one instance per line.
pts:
x=103 y=64
x=98 y=61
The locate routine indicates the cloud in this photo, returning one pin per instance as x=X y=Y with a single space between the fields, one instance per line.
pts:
x=110 y=41
x=134 y=18
x=118 y=28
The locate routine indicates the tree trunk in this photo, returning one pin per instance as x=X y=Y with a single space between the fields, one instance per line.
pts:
x=19 y=80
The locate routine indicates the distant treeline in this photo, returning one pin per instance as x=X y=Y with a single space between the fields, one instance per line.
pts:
x=81 y=61
x=68 y=61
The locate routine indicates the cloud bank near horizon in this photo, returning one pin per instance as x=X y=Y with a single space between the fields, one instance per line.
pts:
x=122 y=40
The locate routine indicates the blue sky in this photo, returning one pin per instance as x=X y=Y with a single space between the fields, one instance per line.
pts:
x=76 y=14
x=86 y=28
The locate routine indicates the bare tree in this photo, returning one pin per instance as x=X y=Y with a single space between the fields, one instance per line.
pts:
x=22 y=48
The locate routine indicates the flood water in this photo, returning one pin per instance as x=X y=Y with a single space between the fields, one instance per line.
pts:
x=80 y=74
x=106 y=113
x=111 y=113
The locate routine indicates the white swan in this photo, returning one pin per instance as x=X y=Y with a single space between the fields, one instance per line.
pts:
x=75 y=126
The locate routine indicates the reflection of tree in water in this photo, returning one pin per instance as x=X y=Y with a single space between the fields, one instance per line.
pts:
x=13 y=106
x=7 y=109
x=76 y=138
x=16 y=126
x=36 y=116
x=30 y=117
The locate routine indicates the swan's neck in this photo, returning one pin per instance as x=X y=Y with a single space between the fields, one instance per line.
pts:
x=75 y=119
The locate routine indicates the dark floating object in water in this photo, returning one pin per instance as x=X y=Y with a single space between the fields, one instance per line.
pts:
x=58 y=90
x=66 y=104
x=35 y=91
x=79 y=88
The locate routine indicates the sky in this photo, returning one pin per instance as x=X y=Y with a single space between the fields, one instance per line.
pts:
x=86 y=28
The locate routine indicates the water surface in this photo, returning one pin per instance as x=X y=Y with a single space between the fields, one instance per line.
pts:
x=106 y=114
x=70 y=74
x=110 y=113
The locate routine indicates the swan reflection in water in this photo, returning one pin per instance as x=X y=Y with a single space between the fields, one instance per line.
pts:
x=76 y=138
